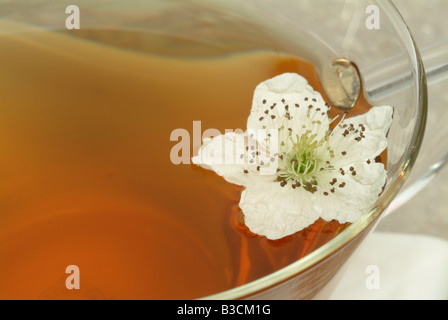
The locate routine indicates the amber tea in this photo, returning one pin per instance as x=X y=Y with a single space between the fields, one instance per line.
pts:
x=87 y=180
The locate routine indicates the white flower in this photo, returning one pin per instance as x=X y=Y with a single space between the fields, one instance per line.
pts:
x=305 y=170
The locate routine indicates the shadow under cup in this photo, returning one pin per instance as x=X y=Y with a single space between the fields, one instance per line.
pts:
x=317 y=31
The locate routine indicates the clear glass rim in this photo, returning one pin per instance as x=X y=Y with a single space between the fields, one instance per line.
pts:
x=386 y=198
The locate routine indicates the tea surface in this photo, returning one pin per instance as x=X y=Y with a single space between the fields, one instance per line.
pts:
x=86 y=177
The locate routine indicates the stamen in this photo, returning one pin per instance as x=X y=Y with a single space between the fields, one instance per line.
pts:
x=337 y=116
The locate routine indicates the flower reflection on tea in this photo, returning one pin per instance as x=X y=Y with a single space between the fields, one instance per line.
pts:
x=300 y=169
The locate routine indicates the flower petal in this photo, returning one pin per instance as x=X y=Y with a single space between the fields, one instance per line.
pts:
x=238 y=158
x=362 y=137
x=352 y=193
x=288 y=103
x=275 y=211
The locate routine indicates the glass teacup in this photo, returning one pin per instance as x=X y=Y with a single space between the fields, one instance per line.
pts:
x=368 y=33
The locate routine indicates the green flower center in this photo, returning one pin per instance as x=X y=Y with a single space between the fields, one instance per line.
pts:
x=300 y=164
x=303 y=164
